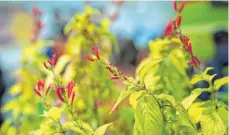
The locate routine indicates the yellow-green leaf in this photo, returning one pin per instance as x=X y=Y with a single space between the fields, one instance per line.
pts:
x=195 y=79
x=15 y=89
x=102 y=129
x=212 y=124
x=195 y=112
x=122 y=96
x=145 y=66
x=61 y=63
x=54 y=113
x=191 y=98
x=207 y=69
x=220 y=82
x=133 y=99
x=169 y=98
x=148 y=117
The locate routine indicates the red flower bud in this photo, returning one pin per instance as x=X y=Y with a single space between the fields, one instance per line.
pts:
x=178 y=21
x=70 y=87
x=37 y=92
x=40 y=24
x=182 y=6
x=88 y=57
x=59 y=93
x=47 y=90
x=36 y=11
x=186 y=40
x=175 y=5
x=73 y=97
x=45 y=65
x=109 y=68
x=194 y=62
x=114 y=78
x=52 y=61
x=189 y=48
x=41 y=85
x=169 y=29
x=96 y=51
x=181 y=38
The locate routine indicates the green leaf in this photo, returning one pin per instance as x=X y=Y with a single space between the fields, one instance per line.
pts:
x=220 y=82
x=53 y=113
x=144 y=67
x=102 y=129
x=207 y=69
x=191 y=98
x=223 y=114
x=148 y=117
x=169 y=98
x=15 y=89
x=84 y=130
x=187 y=127
x=133 y=99
x=61 y=63
x=196 y=78
x=203 y=76
x=212 y=124
x=122 y=96
x=195 y=112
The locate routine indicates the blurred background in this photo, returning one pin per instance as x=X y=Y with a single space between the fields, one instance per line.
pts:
x=134 y=24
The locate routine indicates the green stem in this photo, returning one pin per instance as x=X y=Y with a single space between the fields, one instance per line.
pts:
x=62 y=129
x=73 y=116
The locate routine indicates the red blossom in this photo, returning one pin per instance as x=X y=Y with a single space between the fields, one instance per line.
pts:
x=189 y=48
x=169 y=29
x=96 y=51
x=186 y=41
x=175 y=5
x=195 y=62
x=47 y=90
x=52 y=61
x=182 y=6
x=73 y=97
x=70 y=87
x=89 y=58
x=178 y=21
x=37 y=92
x=114 y=78
x=39 y=87
x=36 y=11
x=109 y=68
x=39 y=24
x=59 y=91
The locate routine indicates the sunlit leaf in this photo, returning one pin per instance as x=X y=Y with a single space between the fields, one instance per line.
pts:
x=207 y=69
x=148 y=117
x=195 y=112
x=220 y=82
x=15 y=89
x=133 y=99
x=195 y=79
x=145 y=66
x=54 y=113
x=102 y=129
x=169 y=98
x=122 y=96
x=191 y=98
x=212 y=124
x=61 y=63
x=223 y=114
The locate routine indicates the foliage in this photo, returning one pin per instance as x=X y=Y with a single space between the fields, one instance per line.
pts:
x=76 y=94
